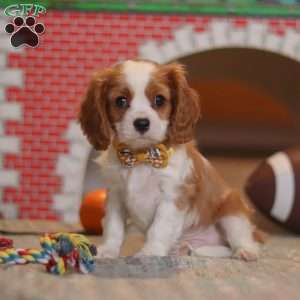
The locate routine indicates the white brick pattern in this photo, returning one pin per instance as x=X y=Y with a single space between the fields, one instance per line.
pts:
x=221 y=34
x=9 y=144
x=9 y=178
x=72 y=167
x=8 y=111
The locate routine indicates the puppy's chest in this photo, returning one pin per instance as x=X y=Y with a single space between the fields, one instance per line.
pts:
x=142 y=194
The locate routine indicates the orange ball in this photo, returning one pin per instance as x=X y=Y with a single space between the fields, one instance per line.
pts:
x=92 y=211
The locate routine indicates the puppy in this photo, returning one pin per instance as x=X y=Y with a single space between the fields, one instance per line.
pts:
x=143 y=115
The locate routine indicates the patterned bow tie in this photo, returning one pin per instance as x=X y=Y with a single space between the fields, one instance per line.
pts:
x=158 y=155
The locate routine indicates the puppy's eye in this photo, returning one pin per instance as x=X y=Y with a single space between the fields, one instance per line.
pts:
x=159 y=100
x=122 y=102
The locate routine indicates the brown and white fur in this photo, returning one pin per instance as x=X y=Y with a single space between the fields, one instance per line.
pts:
x=163 y=203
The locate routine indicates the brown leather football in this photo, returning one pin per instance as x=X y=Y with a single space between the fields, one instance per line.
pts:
x=274 y=188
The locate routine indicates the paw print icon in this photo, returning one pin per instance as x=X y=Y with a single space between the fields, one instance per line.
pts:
x=25 y=32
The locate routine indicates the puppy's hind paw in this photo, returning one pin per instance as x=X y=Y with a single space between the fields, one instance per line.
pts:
x=247 y=253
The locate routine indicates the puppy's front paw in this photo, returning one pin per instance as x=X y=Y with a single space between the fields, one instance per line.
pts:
x=247 y=252
x=151 y=251
x=104 y=251
x=140 y=254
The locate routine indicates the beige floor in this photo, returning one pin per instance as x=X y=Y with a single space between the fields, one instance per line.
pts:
x=276 y=274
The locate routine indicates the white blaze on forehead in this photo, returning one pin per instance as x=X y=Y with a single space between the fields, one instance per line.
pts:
x=137 y=74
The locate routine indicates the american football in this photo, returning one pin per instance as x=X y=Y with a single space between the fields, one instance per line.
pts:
x=274 y=188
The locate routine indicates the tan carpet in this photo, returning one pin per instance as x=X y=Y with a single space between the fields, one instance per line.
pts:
x=276 y=275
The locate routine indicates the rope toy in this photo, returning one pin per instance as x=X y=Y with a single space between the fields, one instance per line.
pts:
x=60 y=252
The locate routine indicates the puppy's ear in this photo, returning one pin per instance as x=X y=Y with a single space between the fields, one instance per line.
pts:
x=93 y=116
x=186 y=106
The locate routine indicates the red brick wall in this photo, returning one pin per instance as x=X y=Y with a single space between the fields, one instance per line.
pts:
x=56 y=74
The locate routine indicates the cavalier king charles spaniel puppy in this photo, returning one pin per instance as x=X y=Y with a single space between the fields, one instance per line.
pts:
x=144 y=115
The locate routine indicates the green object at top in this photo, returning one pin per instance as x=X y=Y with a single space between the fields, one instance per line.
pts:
x=285 y=8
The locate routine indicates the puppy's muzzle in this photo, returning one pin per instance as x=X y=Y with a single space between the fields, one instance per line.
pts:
x=141 y=125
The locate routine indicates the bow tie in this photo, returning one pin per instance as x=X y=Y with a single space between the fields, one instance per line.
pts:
x=158 y=155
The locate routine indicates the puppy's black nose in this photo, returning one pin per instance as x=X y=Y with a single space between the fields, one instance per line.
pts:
x=141 y=125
